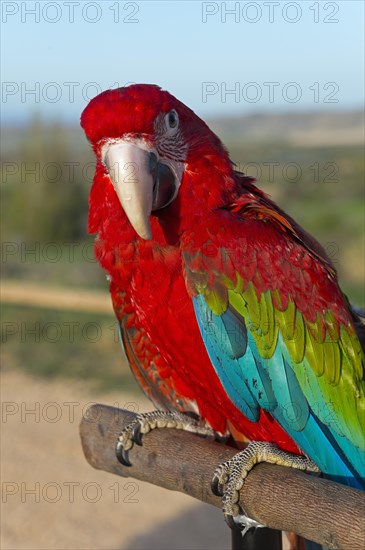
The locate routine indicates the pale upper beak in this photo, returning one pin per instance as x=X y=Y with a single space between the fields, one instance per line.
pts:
x=142 y=182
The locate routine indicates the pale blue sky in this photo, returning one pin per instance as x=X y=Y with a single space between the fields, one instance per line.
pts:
x=170 y=44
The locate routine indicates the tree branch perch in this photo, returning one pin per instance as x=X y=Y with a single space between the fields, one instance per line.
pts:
x=281 y=498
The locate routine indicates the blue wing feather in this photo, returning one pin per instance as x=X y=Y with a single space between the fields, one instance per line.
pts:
x=220 y=352
x=253 y=382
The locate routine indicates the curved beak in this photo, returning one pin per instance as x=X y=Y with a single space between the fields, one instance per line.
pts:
x=142 y=182
x=129 y=170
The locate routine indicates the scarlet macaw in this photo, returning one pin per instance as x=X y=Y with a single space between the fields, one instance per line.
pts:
x=228 y=309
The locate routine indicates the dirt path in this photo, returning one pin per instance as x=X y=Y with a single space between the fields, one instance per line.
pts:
x=51 y=497
x=30 y=294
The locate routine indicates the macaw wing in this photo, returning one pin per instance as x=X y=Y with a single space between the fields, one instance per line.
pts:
x=280 y=337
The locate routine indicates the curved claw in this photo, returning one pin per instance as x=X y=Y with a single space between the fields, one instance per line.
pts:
x=122 y=455
x=217 y=488
x=241 y=523
x=137 y=435
x=232 y=524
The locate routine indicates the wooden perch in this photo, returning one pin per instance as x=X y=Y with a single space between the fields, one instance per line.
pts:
x=281 y=498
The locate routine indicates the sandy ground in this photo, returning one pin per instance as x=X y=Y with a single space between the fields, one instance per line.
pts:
x=36 y=295
x=52 y=498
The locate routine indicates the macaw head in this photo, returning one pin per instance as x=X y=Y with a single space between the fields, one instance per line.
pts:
x=147 y=143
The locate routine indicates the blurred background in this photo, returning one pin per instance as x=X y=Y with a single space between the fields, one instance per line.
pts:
x=282 y=84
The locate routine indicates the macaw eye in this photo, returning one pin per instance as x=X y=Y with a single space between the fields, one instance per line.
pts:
x=172 y=119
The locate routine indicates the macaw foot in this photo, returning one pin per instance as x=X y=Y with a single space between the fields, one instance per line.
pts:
x=145 y=422
x=229 y=477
